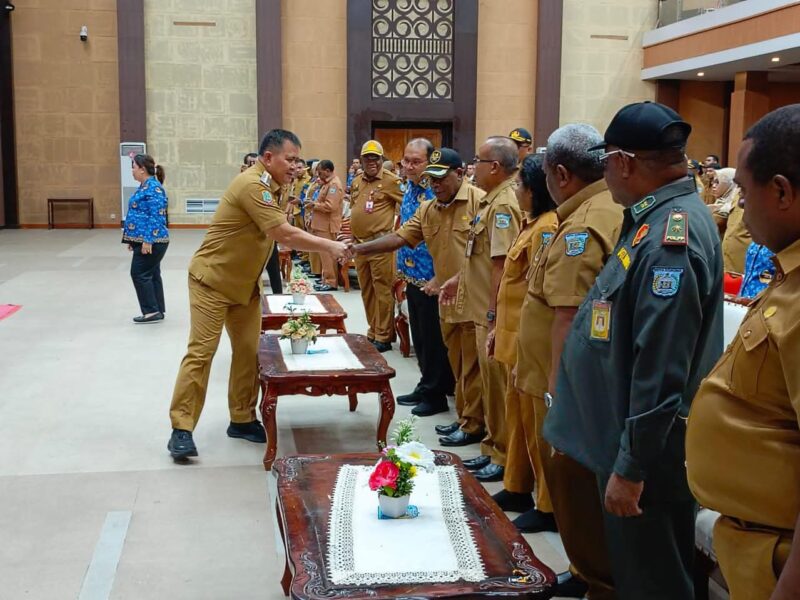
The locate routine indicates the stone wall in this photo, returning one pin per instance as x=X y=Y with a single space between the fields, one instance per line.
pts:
x=66 y=102
x=201 y=95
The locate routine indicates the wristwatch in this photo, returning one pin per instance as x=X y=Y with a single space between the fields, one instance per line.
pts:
x=548 y=399
x=490 y=315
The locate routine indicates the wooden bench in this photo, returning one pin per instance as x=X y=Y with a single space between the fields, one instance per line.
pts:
x=52 y=202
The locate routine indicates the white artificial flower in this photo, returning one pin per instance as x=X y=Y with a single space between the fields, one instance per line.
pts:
x=417 y=454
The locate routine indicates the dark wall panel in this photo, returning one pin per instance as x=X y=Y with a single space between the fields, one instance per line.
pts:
x=268 y=70
x=548 y=69
x=9 y=212
x=132 y=91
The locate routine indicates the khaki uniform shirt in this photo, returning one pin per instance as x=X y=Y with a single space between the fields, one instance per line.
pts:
x=495 y=225
x=236 y=247
x=445 y=229
x=589 y=226
x=743 y=437
x=385 y=195
x=735 y=241
x=535 y=234
x=327 y=210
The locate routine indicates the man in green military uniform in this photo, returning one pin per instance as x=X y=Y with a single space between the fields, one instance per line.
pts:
x=647 y=333
x=224 y=291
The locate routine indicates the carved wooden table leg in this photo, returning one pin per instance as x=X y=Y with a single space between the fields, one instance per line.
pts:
x=269 y=404
x=286 y=580
x=340 y=328
x=353 y=400
x=386 y=399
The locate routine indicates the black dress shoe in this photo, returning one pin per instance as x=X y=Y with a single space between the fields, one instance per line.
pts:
x=513 y=501
x=461 y=438
x=477 y=463
x=411 y=399
x=252 y=431
x=154 y=318
x=570 y=586
x=181 y=445
x=324 y=287
x=447 y=429
x=427 y=408
x=535 y=521
x=382 y=346
x=490 y=473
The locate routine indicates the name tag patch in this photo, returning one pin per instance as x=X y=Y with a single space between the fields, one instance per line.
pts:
x=624 y=258
x=502 y=221
x=666 y=281
x=576 y=243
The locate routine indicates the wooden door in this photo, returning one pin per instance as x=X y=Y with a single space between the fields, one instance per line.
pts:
x=394 y=140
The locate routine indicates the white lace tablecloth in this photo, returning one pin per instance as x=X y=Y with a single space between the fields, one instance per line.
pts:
x=279 y=304
x=338 y=356
x=436 y=546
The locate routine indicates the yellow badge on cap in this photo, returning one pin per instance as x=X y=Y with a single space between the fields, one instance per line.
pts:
x=436 y=157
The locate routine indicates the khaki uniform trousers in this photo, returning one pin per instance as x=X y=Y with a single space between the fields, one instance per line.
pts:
x=579 y=516
x=523 y=455
x=751 y=557
x=376 y=275
x=493 y=380
x=325 y=263
x=210 y=311
x=460 y=341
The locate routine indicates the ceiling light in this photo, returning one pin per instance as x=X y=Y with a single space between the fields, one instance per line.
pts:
x=701 y=74
x=776 y=59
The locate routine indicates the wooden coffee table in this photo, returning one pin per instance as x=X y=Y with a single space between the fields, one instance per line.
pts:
x=277 y=380
x=332 y=318
x=305 y=486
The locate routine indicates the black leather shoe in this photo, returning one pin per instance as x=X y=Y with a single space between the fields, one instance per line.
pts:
x=477 y=463
x=513 y=501
x=382 y=346
x=461 y=438
x=427 y=408
x=252 y=431
x=411 y=399
x=155 y=318
x=535 y=521
x=181 y=445
x=447 y=429
x=324 y=287
x=570 y=586
x=490 y=473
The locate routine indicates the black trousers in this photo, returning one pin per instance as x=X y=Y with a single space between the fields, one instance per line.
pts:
x=146 y=276
x=426 y=335
x=274 y=271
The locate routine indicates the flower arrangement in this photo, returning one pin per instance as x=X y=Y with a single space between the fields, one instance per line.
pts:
x=394 y=474
x=300 y=328
x=298 y=283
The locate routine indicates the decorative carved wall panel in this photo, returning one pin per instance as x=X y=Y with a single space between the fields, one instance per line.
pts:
x=412 y=49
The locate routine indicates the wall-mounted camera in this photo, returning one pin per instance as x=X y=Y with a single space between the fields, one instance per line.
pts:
x=84 y=33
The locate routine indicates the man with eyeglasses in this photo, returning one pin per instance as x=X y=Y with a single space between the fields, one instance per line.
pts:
x=648 y=332
x=375 y=198
x=495 y=223
x=444 y=226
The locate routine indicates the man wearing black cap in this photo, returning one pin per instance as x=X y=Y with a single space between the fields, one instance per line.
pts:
x=649 y=331
x=524 y=141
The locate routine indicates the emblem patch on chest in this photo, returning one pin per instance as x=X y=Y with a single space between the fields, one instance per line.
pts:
x=575 y=243
x=666 y=281
x=502 y=220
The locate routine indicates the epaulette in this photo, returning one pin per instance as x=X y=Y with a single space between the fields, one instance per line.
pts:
x=425 y=182
x=677 y=230
x=265 y=178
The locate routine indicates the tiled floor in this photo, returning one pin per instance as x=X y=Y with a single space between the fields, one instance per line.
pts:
x=84 y=396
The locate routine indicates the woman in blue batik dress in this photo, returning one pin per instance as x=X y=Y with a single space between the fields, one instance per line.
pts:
x=758 y=271
x=145 y=231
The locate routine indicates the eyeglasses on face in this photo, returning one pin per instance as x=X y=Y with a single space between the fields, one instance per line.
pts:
x=416 y=162
x=604 y=156
x=477 y=159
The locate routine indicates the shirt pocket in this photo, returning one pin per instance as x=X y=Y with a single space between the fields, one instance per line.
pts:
x=516 y=262
x=480 y=237
x=430 y=230
x=750 y=351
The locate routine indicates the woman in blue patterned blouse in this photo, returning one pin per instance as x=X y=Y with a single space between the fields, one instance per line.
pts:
x=145 y=232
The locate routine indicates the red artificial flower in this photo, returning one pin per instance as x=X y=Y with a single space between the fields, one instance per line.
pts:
x=384 y=475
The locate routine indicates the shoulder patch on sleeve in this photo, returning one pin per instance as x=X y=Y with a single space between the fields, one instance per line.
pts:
x=332 y=189
x=502 y=220
x=575 y=243
x=266 y=196
x=666 y=281
x=677 y=230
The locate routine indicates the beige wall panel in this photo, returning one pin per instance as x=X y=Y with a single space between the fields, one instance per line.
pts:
x=201 y=95
x=315 y=77
x=506 y=78
x=702 y=104
x=66 y=102
x=599 y=76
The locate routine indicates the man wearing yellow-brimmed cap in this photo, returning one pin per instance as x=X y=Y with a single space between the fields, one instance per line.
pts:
x=524 y=141
x=375 y=198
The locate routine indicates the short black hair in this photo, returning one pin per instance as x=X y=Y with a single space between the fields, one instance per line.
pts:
x=273 y=140
x=249 y=155
x=326 y=164
x=425 y=143
x=776 y=146
x=534 y=179
x=714 y=156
